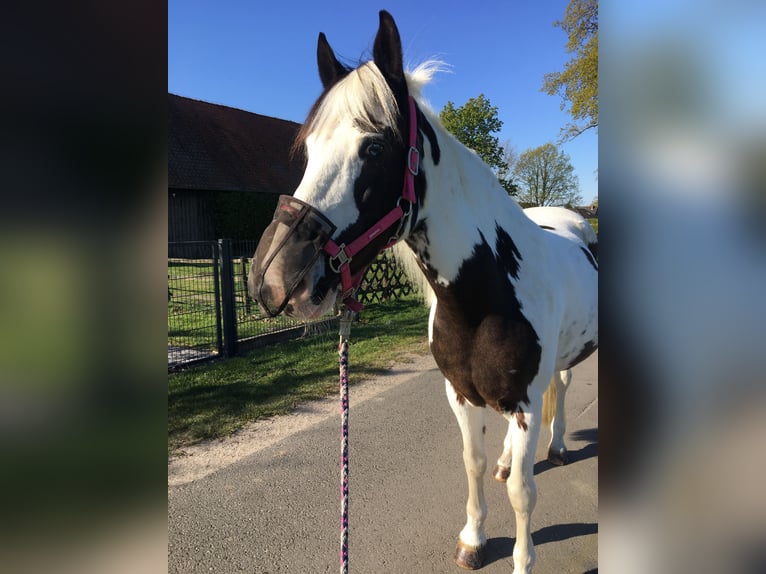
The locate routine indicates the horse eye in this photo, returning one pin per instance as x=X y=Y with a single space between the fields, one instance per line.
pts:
x=373 y=149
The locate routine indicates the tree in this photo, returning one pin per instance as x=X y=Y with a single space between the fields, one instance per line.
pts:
x=505 y=174
x=546 y=177
x=578 y=83
x=474 y=124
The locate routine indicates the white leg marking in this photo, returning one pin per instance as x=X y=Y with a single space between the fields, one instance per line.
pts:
x=559 y=423
x=522 y=491
x=471 y=422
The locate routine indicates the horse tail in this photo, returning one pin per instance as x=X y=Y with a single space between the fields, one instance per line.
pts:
x=593 y=247
x=589 y=237
x=549 y=402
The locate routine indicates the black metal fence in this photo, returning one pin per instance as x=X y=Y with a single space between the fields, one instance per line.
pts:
x=211 y=314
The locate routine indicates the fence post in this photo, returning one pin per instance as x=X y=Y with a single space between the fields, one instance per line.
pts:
x=217 y=298
x=228 y=299
x=244 y=285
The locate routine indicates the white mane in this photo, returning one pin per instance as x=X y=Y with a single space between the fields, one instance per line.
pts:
x=421 y=75
x=417 y=79
x=363 y=95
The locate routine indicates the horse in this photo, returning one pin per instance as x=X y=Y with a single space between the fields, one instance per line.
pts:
x=514 y=301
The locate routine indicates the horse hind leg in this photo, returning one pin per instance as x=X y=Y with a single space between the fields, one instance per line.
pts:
x=555 y=415
x=472 y=540
x=503 y=466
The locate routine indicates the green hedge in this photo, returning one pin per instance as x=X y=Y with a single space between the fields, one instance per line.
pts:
x=242 y=215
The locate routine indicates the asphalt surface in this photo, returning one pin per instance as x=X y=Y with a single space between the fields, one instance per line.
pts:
x=278 y=510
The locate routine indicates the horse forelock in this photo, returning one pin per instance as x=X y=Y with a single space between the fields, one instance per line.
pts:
x=364 y=97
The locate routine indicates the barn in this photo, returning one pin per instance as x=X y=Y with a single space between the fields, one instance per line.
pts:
x=226 y=168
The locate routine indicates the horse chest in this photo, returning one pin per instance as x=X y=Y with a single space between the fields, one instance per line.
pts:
x=491 y=362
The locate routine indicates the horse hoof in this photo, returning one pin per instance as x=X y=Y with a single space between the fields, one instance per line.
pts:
x=469 y=558
x=501 y=473
x=559 y=458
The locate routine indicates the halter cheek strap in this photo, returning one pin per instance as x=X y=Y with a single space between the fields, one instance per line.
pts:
x=341 y=255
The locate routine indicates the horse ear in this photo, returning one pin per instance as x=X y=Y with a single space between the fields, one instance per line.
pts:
x=330 y=69
x=387 y=52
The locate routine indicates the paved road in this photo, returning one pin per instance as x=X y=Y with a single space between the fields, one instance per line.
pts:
x=277 y=510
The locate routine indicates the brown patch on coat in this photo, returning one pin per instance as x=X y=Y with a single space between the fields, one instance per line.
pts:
x=521 y=420
x=482 y=342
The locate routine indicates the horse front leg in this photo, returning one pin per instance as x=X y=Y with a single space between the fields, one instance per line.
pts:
x=522 y=492
x=472 y=541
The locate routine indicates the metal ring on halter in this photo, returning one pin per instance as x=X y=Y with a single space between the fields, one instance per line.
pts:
x=405 y=216
x=413 y=160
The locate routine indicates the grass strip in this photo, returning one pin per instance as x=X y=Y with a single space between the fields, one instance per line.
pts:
x=216 y=399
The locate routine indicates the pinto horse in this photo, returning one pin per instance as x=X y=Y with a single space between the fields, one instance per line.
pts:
x=514 y=301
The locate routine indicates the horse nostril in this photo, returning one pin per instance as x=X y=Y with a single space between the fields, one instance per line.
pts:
x=267 y=300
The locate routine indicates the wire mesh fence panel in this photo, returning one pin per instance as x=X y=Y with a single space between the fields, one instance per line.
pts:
x=251 y=321
x=194 y=321
x=384 y=280
x=196 y=328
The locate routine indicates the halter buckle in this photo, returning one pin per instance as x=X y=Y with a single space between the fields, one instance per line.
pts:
x=413 y=160
x=341 y=257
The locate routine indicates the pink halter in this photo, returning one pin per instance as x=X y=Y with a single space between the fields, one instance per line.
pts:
x=341 y=255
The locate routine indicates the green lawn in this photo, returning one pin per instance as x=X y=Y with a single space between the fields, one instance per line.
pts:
x=216 y=399
x=191 y=306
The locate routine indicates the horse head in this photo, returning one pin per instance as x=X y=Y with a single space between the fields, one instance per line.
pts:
x=352 y=201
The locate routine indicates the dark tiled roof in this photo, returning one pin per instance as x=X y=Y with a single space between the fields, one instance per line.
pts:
x=215 y=147
x=588 y=211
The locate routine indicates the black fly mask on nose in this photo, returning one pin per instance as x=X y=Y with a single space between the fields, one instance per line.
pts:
x=290 y=246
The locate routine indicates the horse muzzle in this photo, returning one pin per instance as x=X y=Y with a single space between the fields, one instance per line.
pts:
x=285 y=261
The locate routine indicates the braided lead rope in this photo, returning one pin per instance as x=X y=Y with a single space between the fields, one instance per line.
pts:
x=344 y=331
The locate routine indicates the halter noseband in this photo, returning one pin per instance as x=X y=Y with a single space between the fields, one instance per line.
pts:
x=341 y=255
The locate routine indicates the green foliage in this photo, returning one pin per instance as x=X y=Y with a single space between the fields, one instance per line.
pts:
x=577 y=85
x=474 y=124
x=505 y=174
x=546 y=177
x=512 y=189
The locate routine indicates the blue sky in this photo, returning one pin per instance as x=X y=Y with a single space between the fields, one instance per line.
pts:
x=261 y=57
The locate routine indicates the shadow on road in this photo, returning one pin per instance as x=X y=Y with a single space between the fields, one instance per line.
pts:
x=585 y=435
x=559 y=532
x=498 y=548
x=501 y=548
x=588 y=451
